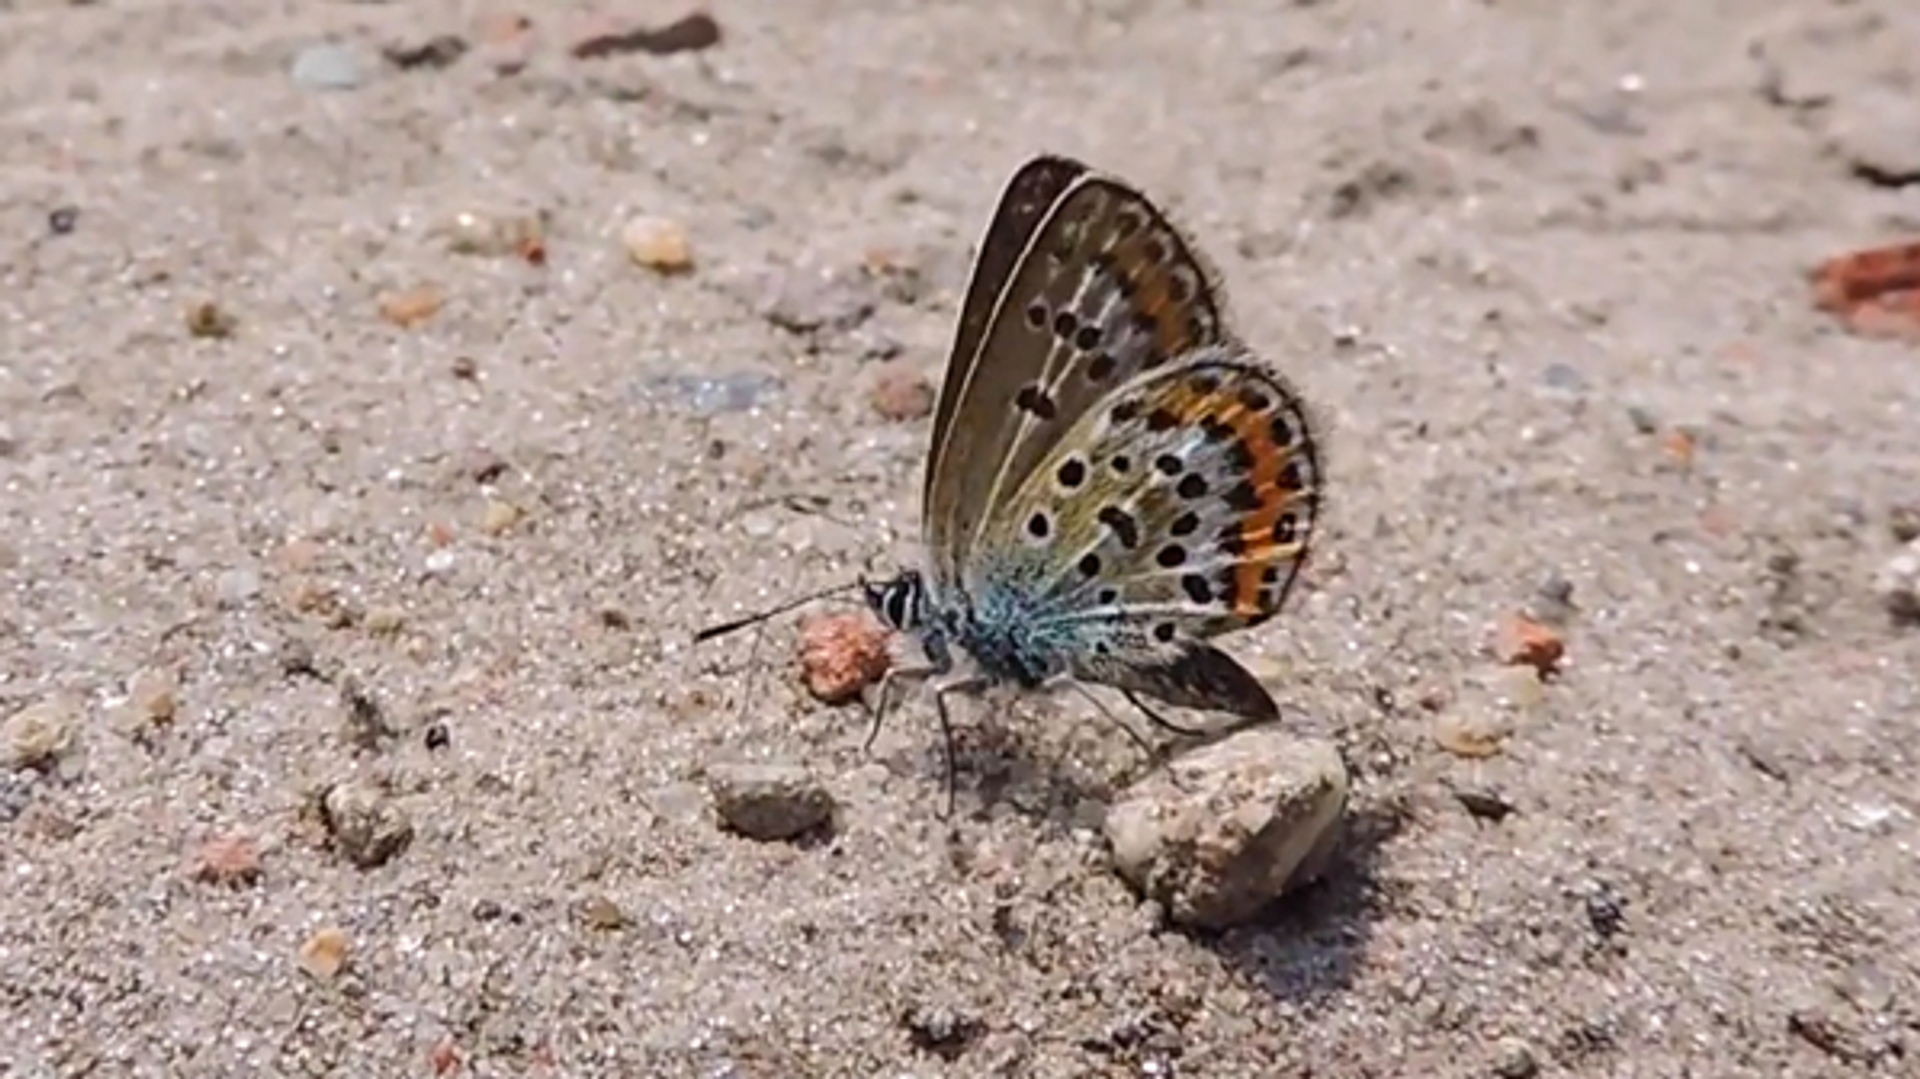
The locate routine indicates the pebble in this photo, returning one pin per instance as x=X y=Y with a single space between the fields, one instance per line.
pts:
x=207 y=319
x=1872 y=129
x=807 y=300
x=1521 y=641
x=942 y=1030
x=1514 y=1059
x=435 y=52
x=366 y=826
x=385 y=621
x=900 y=392
x=1224 y=830
x=599 y=913
x=326 y=66
x=228 y=860
x=842 y=654
x=1897 y=585
x=604 y=37
x=39 y=735
x=769 y=802
x=16 y=793
x=324 y=954
x=155 y=695
x=657 y=243
x=500 y=517
x=237 y=587
x=470 y=232
x=410 y=307
x=506 y=42
x=709 y=395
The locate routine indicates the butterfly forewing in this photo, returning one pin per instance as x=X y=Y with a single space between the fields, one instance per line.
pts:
x=1023 y=205
x=1104 y=289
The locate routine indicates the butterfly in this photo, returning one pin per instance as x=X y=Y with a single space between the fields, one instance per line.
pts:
x=1114 y=479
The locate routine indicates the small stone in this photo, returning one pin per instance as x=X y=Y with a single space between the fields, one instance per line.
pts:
x=689 y=33
x=471 y=232
x=207 y=319
x=438 y=736
x=1471 y=732
x=326 y=66
x=1222 y=831
x=324 y=954
x=1521 y=641
x=1485 y=805
x=237 y=587
x=807 y=300
x=481 y=465
x=444 y=1057
x=901 y=392
x=385 y=621
x=769 y=801
x=1514 y=1059
x=658 y=244
x=1872 y=129
x=466 y=368
x=1897 y=585
x=500 y=517
x=1563 y=377
x=365 y=824
x=62 y=220
x=709 y=395
x=436 y=52
x=506 y=42
x=601 y=914
x=227 y=860
x=154 y=694
x=39 y=735
x=410 y=307
x=942 y=1030
x=842 y=654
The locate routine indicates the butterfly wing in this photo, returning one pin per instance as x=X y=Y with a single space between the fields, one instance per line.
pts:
x=1178 y=508
x=1098 y=287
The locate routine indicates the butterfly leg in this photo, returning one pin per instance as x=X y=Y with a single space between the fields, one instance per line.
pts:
x=883 y=695
x=940 y=695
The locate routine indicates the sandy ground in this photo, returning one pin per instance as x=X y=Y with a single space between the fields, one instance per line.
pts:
x=1541 y=264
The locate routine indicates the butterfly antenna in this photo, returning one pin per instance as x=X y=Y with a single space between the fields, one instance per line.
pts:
x=744 y=621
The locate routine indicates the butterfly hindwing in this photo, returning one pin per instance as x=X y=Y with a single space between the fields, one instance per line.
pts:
x=1105 y=289
x=1178 y=508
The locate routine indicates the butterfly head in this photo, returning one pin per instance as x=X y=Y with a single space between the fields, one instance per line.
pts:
x=900 y=602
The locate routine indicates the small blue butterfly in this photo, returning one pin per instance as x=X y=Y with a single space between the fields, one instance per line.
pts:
x=1113 y=479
